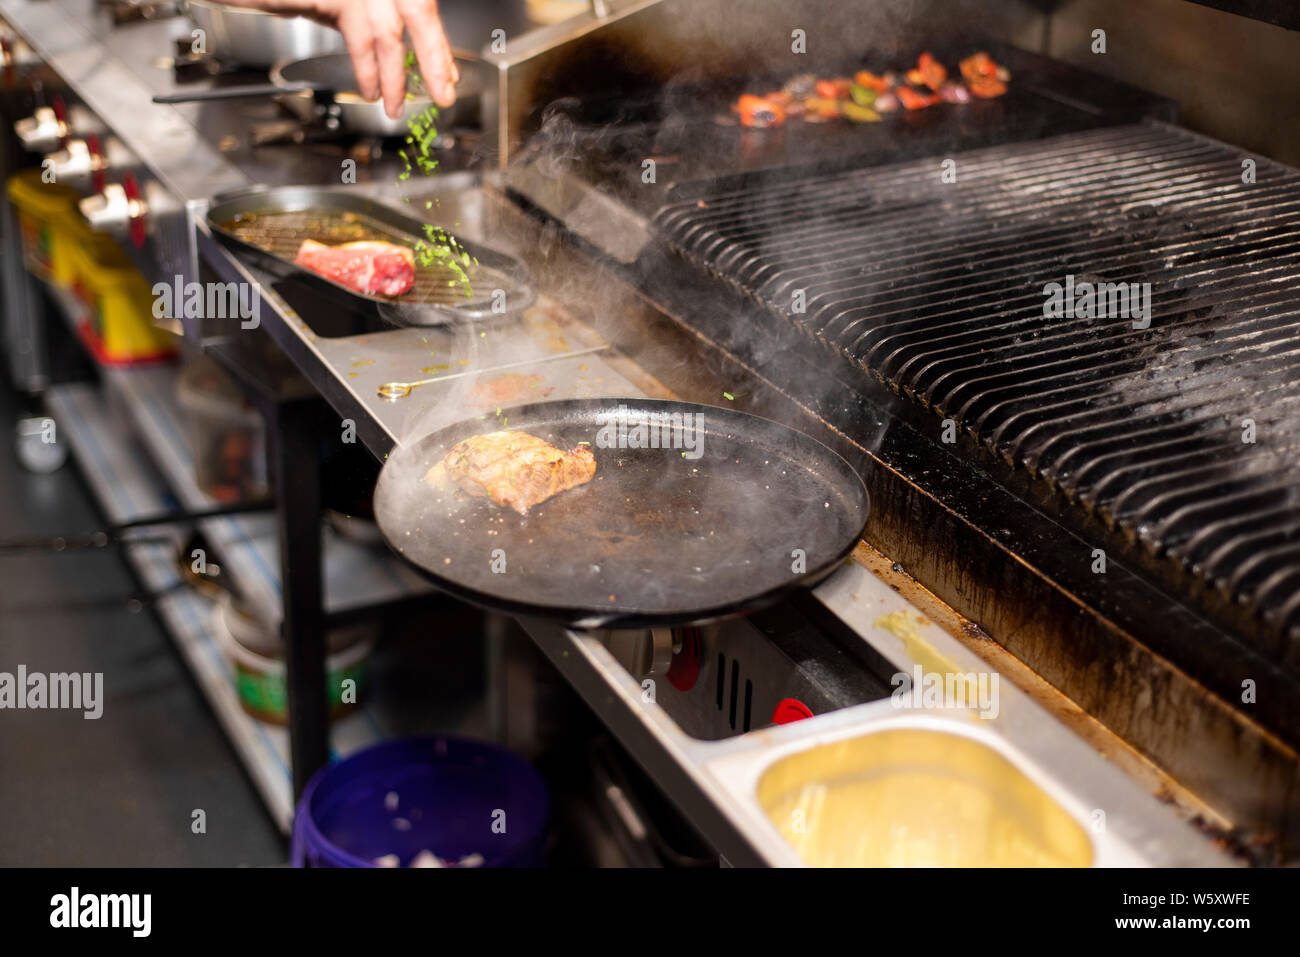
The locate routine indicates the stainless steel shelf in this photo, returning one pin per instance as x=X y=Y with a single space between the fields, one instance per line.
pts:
x=130 y=485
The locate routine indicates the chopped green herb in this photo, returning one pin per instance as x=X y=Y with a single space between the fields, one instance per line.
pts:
x=436 y=245
x=728 y=396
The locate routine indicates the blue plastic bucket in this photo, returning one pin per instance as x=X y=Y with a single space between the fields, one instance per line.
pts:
x=453 y=797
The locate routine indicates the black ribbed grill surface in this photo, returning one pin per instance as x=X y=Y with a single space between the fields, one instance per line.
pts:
x=937 y=289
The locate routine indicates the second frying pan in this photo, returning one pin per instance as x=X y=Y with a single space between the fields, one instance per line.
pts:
x=333 y=72
x=324 y=87
x=267 y=225
x=657 y=538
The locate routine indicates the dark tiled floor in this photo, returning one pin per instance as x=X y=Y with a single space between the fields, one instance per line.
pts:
x=119 y=790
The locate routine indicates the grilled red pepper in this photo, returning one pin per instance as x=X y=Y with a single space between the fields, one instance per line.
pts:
x=915 y=99
x=871 y=81
x=986 y=87
x=759 y=111
x=978 y=65
x=931 y=70
x=834 y=89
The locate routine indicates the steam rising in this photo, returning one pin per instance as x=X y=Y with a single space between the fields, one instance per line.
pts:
x=672 y=51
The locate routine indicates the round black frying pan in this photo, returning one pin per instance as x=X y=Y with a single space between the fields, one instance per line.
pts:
x=655 y=539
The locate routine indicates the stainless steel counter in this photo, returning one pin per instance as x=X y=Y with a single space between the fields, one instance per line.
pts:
x=717 y=782
x=568 y=359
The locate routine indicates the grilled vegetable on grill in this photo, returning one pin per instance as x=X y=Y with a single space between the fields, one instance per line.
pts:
x=821 y=107
x=986 y=88
x=801 y=86
x=913 y=99
x=984 y=78
x=929 y=72
x=834 y=89
x=514 y=469
x=886 y=102
x=954 y=93
x=368 y=267
x=981 y=65
x=760 y=111
x=872 y=82
x=864 y=97
x=859 y=114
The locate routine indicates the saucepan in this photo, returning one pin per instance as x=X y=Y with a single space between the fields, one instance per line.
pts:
x=256 y=39
x=325 y=88
x=333 y=72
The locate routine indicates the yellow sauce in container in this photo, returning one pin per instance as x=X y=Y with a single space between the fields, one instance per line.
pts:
x=917 y=798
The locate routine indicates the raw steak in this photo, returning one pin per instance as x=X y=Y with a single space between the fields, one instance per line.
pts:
x=372 y=268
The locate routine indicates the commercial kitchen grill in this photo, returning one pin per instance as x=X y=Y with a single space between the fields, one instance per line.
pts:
x=1180 y=436
x=852 y=289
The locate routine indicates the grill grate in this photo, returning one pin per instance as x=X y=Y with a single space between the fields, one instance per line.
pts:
x=937 y=290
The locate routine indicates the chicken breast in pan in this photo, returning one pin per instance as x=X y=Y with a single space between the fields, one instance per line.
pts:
x=516 y=470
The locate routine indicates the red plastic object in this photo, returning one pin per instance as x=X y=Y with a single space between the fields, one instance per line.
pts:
x=100 y=177
x=90 y=339
x=791 y=710
x=132 y=188
x=61 y=114
x=684 y=670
